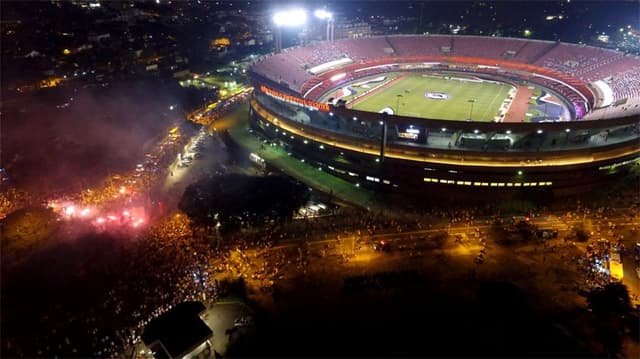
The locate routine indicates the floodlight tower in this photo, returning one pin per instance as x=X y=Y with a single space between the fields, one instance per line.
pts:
x=325 y=15
x=289 y=18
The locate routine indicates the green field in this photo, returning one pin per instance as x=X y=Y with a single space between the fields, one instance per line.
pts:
x=487 y=98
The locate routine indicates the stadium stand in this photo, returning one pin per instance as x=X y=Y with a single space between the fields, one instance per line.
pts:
x=489 y=47
x=414 y=45
x=581 y=62
x=366 y=48
x=531 y=50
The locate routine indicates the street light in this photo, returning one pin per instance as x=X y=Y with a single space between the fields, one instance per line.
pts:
x=325 y=15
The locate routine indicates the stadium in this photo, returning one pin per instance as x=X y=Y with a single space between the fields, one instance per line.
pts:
x=409 y=112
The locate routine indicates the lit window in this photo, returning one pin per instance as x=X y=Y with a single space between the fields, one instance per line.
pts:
x=549 y=183
x=450 y=181
x=443 y=181
x=541 y=183
x=477 y=184
x=501 y=184
x=493 y=184
x=517 y=184
x=459 y=182
x=467 y=183
x=526 y=184
x=509 y=184
x=485 y=184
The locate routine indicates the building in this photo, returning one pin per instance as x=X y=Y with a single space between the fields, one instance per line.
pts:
x=180 y=333
x=598 y=140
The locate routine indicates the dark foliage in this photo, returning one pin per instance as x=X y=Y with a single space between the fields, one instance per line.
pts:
x=236 y=200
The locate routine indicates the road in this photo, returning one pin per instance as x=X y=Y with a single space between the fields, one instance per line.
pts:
x=473 y=238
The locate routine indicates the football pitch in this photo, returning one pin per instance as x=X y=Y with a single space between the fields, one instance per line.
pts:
x=437 y=97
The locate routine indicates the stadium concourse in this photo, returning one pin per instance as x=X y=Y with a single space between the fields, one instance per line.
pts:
x=585 y=102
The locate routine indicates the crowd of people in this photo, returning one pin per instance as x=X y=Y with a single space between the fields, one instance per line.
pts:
x=12 y=199
x=176 y=261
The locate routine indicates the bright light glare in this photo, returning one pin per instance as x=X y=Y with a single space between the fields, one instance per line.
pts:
x=70 y=210
x=322 y=14
x=295 y=17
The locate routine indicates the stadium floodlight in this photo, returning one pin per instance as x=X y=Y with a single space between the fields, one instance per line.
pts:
x=294 y=17
x=323 y=14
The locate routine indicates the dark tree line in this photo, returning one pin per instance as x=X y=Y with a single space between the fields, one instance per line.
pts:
x=237 y=200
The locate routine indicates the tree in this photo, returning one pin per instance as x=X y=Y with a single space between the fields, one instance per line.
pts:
x=234 y=200
x=610 y=300
x=611 y=306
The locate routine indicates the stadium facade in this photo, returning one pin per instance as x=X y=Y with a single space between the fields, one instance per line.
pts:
x=387 y=151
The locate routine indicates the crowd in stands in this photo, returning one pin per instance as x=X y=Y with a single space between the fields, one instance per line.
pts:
x=415 y=45
x=488 y=48
x=583 y=62
x=532 y=50
x=367 y=48
x=626 y=84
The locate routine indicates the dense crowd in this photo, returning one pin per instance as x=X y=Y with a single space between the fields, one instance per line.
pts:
x=176 y=261
x=12 y=199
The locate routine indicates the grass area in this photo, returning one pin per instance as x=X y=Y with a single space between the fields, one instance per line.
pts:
x=537 y=91
x=368 y=86
x=487 y=96
x=278 y=157
x=303 y=172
